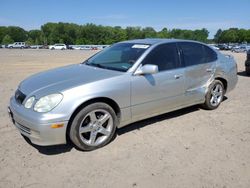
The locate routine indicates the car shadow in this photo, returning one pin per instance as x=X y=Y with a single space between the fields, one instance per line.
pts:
x=140 y=124
x=51 y=150
x=242 y=73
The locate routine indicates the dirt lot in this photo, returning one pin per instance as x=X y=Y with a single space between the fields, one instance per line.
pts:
x=187 y=148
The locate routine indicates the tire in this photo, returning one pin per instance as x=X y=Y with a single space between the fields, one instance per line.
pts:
x=52 y=48
x=93 y=127
x=248 y=71
x=214 y=96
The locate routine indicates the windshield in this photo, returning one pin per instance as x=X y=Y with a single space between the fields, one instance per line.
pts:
x=118 y=57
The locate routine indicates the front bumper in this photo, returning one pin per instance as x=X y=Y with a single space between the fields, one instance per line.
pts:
x=34 y=126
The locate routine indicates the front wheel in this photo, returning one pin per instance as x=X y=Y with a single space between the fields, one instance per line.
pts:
x=214 y=95
x=93 y=127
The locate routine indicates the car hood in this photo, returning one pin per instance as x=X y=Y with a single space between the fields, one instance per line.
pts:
x=64 y=78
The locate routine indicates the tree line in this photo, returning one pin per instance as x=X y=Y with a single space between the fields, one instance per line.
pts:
x=232 y=35
x=70 y=33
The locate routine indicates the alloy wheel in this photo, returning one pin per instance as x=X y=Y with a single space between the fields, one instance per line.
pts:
x=216 y=95
x=96 y=127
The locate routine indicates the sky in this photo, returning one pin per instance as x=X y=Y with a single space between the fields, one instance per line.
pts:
x=159 y=14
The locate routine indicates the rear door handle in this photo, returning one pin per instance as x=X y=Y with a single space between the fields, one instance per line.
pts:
x=177 y=76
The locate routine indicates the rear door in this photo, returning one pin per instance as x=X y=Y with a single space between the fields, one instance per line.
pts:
x=157 y=93
x=200 y=63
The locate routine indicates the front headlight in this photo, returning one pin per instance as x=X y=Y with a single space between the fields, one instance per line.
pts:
x=29 y=102
x=47 y=103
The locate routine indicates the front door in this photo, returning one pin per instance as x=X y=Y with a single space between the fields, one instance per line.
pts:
x=154 y=94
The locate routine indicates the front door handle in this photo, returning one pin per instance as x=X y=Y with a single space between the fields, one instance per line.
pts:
x=177 y=76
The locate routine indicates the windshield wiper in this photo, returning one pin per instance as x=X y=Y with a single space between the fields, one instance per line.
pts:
x=99 y=65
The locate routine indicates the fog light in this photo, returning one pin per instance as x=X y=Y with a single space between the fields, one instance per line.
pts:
x=59 y=125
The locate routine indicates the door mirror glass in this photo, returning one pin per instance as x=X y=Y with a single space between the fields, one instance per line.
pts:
x=147 y=69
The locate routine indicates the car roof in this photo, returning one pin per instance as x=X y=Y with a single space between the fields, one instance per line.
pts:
x=152 y=41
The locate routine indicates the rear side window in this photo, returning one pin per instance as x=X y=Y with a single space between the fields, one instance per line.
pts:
x=165 y=56
x=195 y=53
x=192 y=53
x=209 y=54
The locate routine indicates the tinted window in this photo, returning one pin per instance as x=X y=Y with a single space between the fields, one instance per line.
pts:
x=192 y=53
x=210 y=54
x=165 y=56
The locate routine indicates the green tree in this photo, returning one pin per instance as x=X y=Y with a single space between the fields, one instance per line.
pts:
x=217 y=36
x=164 y=33
x=18 y=34
x=134 y=33
x=3 y=32
x=7 y=40
x=230 y=35
x=149 y=32
x=35 y=36
x=200 y=35
x=29 y=41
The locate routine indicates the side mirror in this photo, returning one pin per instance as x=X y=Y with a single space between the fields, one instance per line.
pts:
x=146 y=69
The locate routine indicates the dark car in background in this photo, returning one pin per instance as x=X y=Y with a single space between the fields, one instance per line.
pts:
x=224 y=47
x=247 y=63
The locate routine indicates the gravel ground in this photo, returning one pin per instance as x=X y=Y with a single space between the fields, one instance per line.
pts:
x=186 y=148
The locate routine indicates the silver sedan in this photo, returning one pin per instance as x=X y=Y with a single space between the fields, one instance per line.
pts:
x=127 y=82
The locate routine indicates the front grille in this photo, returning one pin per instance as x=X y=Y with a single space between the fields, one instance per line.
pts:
x=19 y=96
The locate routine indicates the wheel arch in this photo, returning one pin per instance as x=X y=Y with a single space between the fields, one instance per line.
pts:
x=224 y=82
x=106 y=100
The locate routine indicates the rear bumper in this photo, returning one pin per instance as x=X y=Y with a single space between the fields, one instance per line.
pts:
x=39 y=132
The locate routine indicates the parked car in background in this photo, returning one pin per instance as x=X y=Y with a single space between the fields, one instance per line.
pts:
x=85 y=48
x=69 y=47
x=125 y=83
x=214 y=46
x=20 y=45
x=224 y=46
x=58 y=47
x=36 y=46
x=239 y=49
x=247 y=63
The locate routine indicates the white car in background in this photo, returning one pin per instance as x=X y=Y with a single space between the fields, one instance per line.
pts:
x=17 y=45
x=214 y=46
x=58 y=47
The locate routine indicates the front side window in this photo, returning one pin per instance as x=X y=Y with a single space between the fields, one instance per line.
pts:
x=118 y=57
x=165 y=56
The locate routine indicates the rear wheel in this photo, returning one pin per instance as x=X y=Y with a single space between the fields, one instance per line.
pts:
x=214 y=95
x=248 y=70
x=93 y=127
